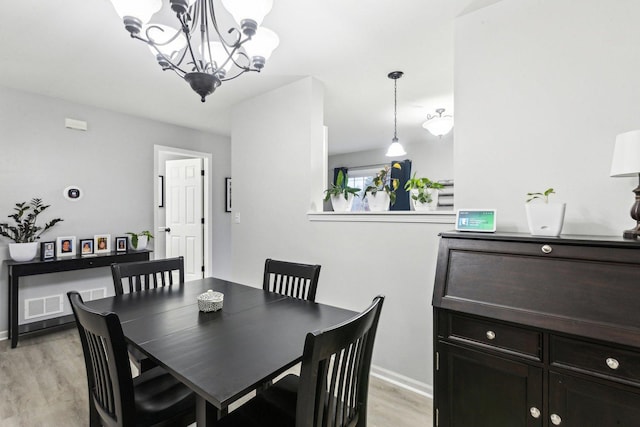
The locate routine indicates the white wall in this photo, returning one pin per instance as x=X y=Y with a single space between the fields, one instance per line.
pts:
x=112 y=163
x=274 y=136
x=542 y=88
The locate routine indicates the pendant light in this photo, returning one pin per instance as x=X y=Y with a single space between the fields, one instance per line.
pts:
x=395 y=149
x=439 y=125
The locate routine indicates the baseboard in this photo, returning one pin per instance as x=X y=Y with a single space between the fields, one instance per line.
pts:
x=406 y=383
x=4 y=335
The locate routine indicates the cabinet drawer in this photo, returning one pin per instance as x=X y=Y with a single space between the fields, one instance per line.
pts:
x=612 y=362
x=502 y=337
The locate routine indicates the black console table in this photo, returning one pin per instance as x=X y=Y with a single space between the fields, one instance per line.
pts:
x=32 y=268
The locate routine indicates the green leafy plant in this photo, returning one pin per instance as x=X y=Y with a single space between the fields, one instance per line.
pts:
x=422 y=185
x=383 y=182
x=25 y=217
x=135 y=236
x=544 y=196
x=341 y=188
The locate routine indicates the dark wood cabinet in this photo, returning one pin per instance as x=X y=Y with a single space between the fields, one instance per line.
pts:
x=535 y=331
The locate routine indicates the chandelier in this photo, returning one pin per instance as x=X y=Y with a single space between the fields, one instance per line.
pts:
x=395 y=149
x=196 y=50
x=438 y=125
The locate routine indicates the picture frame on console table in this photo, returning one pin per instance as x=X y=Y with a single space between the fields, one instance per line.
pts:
x=47 y=251
x=66 y=246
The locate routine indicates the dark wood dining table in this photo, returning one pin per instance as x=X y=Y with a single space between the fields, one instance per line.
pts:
x=220 y=355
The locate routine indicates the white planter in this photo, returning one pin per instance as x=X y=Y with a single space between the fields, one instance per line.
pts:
x=378 y=202
x=142 y=243
x=422 y=207
x=23 y=251
x=545 y=219
x=340 y=204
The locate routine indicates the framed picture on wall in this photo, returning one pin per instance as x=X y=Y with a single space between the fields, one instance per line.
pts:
x=102 y=243
x=47 y=251
x=121 y=244
x=86 y=247
x=66 y=246
x=227 y=197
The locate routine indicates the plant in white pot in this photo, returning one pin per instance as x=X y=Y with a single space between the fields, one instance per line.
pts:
x=340 y=194
x=424 y=193
x=139 y=241
x=25 y=232
x=544 y=218
x=382 y=191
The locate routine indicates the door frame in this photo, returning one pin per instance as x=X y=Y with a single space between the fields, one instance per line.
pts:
x=207 y=201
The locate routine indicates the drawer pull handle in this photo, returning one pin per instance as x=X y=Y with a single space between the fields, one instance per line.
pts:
x=491 y=335
x=535 y=412
x=613 y=363
x=555 y=419
x=547 y=249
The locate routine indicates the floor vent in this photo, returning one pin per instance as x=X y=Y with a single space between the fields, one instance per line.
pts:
x=43 y=306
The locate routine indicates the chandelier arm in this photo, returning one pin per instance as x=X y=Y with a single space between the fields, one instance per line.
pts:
x=223 y=41
x=152 y=42
x=241 y=72
x=188 y=32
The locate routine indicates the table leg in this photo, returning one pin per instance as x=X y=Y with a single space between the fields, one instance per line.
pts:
x=206 y=414
x=13 y=308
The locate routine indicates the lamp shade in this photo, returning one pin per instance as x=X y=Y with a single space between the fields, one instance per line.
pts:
x=395 y=149
x=254 y=10
x=141 y=9
x=262 y=44
x=626 y=155
x=439 y=126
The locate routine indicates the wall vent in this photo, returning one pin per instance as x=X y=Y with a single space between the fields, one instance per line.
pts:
x=91 y=294
x=43 y=306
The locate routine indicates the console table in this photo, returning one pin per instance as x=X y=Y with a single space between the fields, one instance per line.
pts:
x=536 y=331
x=34 y=267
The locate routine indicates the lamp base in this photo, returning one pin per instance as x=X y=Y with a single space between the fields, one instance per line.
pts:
x=635 y=214
x=631 y=234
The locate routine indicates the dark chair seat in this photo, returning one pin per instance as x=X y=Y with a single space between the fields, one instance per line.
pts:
x=333 y=384
x=154 y=398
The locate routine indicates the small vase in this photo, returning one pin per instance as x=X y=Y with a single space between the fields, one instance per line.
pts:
x=378 y=202
x=142 y=243
x=22 y=252
x=340 y=204
x=545 y=219
x=423 y=207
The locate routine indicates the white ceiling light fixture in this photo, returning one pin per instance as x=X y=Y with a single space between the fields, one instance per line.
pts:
x=438 y=125
x=395 y=149
x=196 y=50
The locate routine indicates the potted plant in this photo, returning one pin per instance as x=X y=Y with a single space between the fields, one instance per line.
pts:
x=26 y=231
x=544 y=218
x=139 y=241
x=424 y=193
x=382 y=191
x=340 y=194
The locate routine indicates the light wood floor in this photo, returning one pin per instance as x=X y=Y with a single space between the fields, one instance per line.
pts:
x=43 y=384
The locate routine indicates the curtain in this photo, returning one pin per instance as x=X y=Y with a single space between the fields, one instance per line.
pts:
x=402 y=195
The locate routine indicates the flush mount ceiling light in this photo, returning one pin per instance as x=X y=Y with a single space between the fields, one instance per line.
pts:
x=395 y=149
x=438 y=125
x=196 y=50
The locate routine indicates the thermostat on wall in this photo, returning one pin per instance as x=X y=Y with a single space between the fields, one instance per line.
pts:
x=73 y=193
x=483 y=220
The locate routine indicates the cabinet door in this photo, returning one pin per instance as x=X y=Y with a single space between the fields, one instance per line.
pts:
x=476 y=389
x=580 y=403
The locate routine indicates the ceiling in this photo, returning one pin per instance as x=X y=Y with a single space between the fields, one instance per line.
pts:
x=78 y=50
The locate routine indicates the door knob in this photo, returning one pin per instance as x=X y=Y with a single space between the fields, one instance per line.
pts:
x=167 y=229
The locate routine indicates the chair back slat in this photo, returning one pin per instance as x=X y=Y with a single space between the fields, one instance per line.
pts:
x=109 y=378
x=334 y=378
x=144 y=275
x=291 y=279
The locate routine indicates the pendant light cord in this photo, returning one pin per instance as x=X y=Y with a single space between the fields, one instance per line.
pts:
x=395 y=108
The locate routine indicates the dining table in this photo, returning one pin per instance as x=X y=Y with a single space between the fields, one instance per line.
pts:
x=220 y=355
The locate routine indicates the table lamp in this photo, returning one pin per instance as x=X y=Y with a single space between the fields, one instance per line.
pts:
x=625 y=163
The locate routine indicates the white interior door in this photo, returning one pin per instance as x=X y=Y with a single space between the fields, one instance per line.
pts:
x=185 y=218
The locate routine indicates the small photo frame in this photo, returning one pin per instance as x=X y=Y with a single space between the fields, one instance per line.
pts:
x=102 y=243
x=227 y=198
x=47 y=251
x=122 y=244
x=66 y=246
x=86 y=247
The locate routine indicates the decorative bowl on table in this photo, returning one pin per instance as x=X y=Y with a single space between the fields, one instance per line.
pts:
x=210 y=301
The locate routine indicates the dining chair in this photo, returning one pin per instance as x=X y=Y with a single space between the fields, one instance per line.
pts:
x=142 y=275
x=291 y=279
x=333 y=384
x=154 y=398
